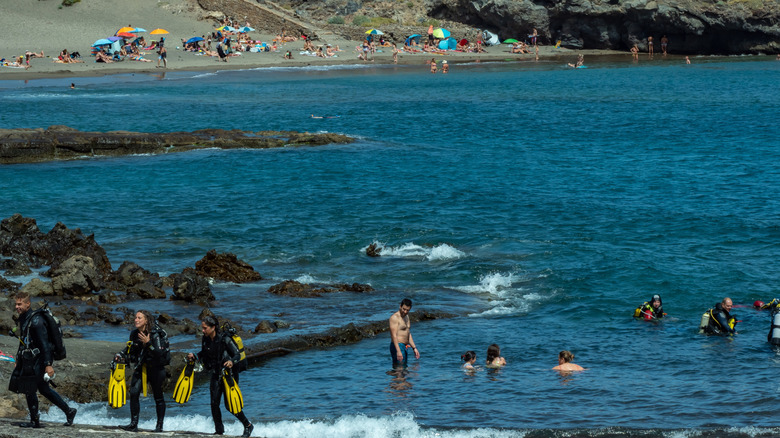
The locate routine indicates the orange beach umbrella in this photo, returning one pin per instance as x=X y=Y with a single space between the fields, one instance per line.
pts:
x=159 y=32
x=125 y=29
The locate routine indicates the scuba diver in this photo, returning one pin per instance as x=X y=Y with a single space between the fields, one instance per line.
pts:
x=718 y=320
x=34 y=372
x=773 y=337
x=148 y=346
x=219 y=354
x=650 y=310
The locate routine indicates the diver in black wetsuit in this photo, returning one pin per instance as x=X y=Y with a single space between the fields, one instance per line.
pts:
x=652 y=309
x=34 y=360
x=721 y=321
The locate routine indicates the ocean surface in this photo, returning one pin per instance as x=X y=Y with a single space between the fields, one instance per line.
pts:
x=538 y=203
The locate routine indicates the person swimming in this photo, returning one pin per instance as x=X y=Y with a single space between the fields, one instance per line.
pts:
x=564 y=362
x=494 y=359
x=469 y=358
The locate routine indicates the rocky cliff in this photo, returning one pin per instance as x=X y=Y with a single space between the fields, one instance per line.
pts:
x=692 y=26
x=708 y=27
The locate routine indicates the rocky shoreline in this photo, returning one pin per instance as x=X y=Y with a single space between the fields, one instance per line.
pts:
x=86 y=291
x=64 y=143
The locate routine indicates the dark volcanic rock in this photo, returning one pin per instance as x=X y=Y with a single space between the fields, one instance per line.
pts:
x=294 y=288
x=226 y=267
x=265 y=327
x=21 y=239
x=8 y=287
x=63 y=143
x=65 y=243
x=373 y=250
x=137 y=280
x=15 y=267
x=692 y=26
x=191 y=287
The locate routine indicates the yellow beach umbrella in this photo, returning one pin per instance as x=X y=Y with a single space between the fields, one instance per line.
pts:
x=159 y=32
x=125 y=29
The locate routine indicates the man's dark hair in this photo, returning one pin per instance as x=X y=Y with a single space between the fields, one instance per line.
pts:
x=406 y=302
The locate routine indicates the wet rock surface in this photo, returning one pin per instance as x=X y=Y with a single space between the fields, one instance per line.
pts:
x=190 y=287
x=292 y=288
x=64 y=143
x=226 y=267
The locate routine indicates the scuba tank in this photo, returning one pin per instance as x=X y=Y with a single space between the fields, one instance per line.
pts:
x=705 y=321
x=774 y=331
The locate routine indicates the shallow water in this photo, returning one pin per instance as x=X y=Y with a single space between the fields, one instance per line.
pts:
x=541 y=204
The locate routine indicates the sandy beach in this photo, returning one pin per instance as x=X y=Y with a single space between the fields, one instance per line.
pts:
x=45 y=26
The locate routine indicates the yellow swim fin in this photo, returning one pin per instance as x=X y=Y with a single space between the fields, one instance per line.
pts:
x=143 y=378
x=117 y=388
x=234 y=401
x=183 y=389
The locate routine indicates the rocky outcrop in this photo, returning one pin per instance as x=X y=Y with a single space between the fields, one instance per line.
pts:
x=38 y=288
x=8 y=287
x=226 y=267
x=191 y=287
x=21 y=239
x=64 y=143
x=374 y=250
x=14 y=267
x=75 y=276
x=292 y=288
x=701 y=26
x=136 y=280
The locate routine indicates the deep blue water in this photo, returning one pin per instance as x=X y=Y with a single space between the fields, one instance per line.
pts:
x=541 y=204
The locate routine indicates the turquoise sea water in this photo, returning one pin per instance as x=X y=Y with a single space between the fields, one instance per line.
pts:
x=539 y=203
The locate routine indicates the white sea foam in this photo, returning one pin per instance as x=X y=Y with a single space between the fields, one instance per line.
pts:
x=308 y=279
x=439 y=252
x=395 y=425
x=506 y=295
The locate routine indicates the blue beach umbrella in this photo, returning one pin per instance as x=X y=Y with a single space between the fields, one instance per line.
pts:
x=415 y=37
x=374 y=32
x=114 y=38
x=194 y=40
x=246 y=29
x=102 y=42
x=138 y=29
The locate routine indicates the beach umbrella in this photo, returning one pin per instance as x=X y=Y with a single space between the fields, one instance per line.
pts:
x=510 y=41
x=227 y=28
x=374 y=32
x=124 y=29
x=138 y=29
x=159 y=32
x=194 y=40
x=415 y=37
x=441 y=33
x=246 y=29
x=102 y=42
x=126 y=35
x=114 y=38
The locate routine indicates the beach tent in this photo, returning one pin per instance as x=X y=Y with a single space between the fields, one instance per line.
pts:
x=490 y=39
x=448 y=44
x=414 y=37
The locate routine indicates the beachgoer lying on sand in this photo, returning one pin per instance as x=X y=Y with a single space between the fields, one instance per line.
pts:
x=329 y=51
x=19 y=63
x=102 y=56
x=519 y=47
x=33 y=54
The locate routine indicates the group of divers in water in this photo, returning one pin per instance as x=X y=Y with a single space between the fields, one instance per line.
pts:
x=717 y=320
x=221 y=354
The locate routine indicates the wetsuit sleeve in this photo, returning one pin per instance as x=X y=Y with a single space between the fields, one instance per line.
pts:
x=724 y=322
x=40 y=339
x=202 y=353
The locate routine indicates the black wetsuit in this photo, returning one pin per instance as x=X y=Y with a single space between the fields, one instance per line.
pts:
x=647 y=308
x=32 y=358
x=213 y=354
x=719 y=322
x=155 y=357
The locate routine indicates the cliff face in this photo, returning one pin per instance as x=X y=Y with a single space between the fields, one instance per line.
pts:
x=706 y=26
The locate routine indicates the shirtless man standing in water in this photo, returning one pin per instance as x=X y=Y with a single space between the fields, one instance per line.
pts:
x=400 y=334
